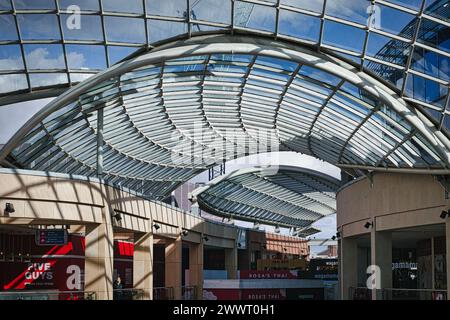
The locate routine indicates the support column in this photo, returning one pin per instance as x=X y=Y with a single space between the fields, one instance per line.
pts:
x=231 y=262
x=348 y=272
x=143 y=264
x=447 y=254
x=100 y=142
x=173 y=267
x=381 y=256
x=196 y=268
x=99 y=254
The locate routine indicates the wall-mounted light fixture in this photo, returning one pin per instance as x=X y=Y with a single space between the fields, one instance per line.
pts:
x=368 y=224
x=184 y=233
x=156 y=226
x=9 y=208
x=205 y=238
x=444 y=214
x=117 y=216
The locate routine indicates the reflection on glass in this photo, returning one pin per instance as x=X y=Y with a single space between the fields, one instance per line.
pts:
x=48 y=26
x=355 y=10
x=218 y=11
x=391 y=74
x=387 y=49
x=7 y=27
x=86 y=57
x=132 y=6
x=11 y=57
x=315 y=6
x=12 y=82
x=161 y=30
x=117 y=53
x=130 y=30
x=343 y=36
x=438 y=9
x=78 y=77
x=173 y=8
x=434 y=34
x=299 y=25
x=85 y=5
x=431 y=63
x=90 y=28
x=47 y=79
x=44 y=56
x=34 y=4
x=412 y=4
x=426 y=90
x=397 y=22
x=255 y=16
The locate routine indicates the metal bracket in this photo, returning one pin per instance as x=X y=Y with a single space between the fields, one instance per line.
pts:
x=369 y=175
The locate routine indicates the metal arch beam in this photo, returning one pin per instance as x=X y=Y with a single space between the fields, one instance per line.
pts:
x=248 y=45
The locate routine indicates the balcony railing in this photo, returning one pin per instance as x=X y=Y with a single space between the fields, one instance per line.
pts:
x=188 y=292
x=128 y=294
x=363 y=293
x=47 y=295
x=163 y=293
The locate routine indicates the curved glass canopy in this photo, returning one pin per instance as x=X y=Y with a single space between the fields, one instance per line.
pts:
x=48 y=45
x=283 y=196
x=155 y=121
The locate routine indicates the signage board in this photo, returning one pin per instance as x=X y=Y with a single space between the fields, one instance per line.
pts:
x=51 y=237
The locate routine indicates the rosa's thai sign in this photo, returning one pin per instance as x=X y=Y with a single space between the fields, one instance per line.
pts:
x=268 y=274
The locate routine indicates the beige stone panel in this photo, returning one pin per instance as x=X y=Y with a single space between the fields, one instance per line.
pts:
x=196 y=268
x=231 y=262
x=12 y=186
x=355 y=228
x=173 y=268
x=143 y=264
x=410 y=219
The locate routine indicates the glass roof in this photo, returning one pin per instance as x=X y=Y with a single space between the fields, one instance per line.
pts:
x=405 y=43
x=164 y=122
x=283 y=196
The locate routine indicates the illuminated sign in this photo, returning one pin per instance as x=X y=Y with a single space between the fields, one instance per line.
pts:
x=51 y=237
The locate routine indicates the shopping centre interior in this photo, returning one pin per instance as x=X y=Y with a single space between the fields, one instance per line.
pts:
x=126 y=133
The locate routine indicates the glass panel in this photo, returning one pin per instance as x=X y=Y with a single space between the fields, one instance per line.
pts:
x=47 y=79
x=388 y=73
x=44 y=56
x=343 y=36
x=5 y=5
x=117 y=53
x=131 y=6
x=437 y=8
x=355 y=10
x=387 y=49
x=48 y=26
x=161 y=30
x=11 y=57
x=130 y=30
x=259 y=17
x=211 y=10
x=426 y=90
x=299 y=25
x=431 y=63
x=78 y=77
x=91 y=23
x=85 y=5
x=319 y=75
x=315 y=6
x=434 y=34
x=12 y=82
x=412 y=4
x=8 y=27
x=86 y=57
x=173 y=8
x=396 y=22
x=34 y=4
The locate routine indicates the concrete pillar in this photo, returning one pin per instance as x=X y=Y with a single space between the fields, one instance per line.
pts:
x=99 y=254
x=381 y=256
x=231 y=262
x=143 y=264
x=447 y=254
x=173 y=266
x=348 y=273
x=196 y=268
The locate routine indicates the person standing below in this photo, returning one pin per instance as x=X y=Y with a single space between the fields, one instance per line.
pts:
x=117 y=286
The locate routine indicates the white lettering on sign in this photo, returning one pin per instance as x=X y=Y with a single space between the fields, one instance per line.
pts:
x=39 y=270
